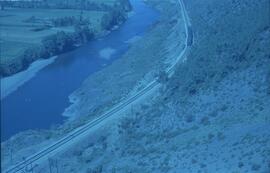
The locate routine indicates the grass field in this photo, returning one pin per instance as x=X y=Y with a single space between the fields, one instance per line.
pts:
x=17 y=35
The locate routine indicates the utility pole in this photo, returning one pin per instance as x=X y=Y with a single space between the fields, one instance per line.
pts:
x=53 y=165
x=29 y=168
x=82 y=6
x=67 y=3
x=10 y=152
x=3 y=4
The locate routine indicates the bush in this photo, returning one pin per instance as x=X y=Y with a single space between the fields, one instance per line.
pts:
x=220 y=136
x=58 y=43
x=82 y=34
x=240 y=164
x=205 y=121
x=41 y=28
x=162 y=77
x=64 y=21
x=189 y=118
x=255 y=167
x=114 y=17
x=31 y=19
x=95 y=170
x=268 y=82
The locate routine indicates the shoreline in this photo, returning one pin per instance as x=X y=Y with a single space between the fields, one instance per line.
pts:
x=12 y=83
x=70 y=112
x=108 y=94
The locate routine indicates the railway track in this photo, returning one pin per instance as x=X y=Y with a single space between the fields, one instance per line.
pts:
x=28 y=162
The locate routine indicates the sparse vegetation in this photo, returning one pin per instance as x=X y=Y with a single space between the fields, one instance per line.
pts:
x=205 y=120
x=255 y=167
x=240 y=164
x=189 y=118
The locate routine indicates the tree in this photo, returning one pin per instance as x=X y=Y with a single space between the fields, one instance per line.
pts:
x=57 y=43
x=10 y=150
x=82 y=8
x=3 y=4
x=49 y=44
x=63 y=42
x=53 y=165
x=106 y=21
x=67 y=3
x=82 y=33
x=162 y=77
x=29 y=168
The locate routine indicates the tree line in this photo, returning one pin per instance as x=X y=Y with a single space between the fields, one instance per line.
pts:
x=50 y=46
x=62 y=4
x=58 y=43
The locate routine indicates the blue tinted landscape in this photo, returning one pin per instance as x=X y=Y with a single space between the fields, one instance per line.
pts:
x=135 y=86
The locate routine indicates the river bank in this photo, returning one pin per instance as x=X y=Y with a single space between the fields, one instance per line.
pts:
x=11 y=83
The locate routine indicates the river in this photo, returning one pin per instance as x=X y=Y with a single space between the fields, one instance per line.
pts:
x=40 y=102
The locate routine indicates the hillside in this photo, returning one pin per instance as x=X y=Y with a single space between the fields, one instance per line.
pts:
x=211 y=116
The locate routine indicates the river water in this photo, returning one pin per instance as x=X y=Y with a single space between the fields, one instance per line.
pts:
x=40 y=102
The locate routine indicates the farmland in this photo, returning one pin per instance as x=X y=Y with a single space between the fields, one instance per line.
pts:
x=25 y=28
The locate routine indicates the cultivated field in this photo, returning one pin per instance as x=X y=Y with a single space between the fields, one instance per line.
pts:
x=19 y=33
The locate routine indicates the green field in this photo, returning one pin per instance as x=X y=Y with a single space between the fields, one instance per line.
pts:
x=34 y=30
x=17 y=35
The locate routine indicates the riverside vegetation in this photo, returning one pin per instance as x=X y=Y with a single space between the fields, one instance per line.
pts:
x=41 y=29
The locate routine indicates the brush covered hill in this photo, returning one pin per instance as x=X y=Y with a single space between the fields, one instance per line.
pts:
x=212 y=115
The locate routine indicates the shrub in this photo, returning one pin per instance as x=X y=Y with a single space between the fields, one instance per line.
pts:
x=213 y=113
x=210 y=136
x=95 y=170
x=193 y=161
x=57 y=43
x=31 y=19
x=114 y=17
x=220 y=136
x=64 y=21
x=224 y=108
x=189 y=118
x=240 y=164
x=268 y=82
x=205 y=121
x=162 y=77
x=202 y=165
x=82 y=34
x=255 y=167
